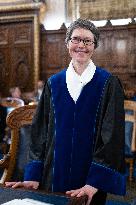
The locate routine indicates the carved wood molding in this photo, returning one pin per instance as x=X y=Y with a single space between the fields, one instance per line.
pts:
x=19 y=7
x=21 y=116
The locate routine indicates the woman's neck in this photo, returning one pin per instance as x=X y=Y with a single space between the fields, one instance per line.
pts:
x=79 y=68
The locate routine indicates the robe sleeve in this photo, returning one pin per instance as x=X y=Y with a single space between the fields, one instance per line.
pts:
x=107 y=170
x=39 y=130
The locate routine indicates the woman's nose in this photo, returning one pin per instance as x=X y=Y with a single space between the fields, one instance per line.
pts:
x=81 y=43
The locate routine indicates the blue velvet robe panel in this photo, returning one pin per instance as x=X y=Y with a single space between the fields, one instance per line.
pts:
x=75 y=129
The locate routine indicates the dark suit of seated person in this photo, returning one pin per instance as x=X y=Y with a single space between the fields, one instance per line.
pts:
x=3 y=115
x=3 y=146
x=129 y=95
x=22 y=155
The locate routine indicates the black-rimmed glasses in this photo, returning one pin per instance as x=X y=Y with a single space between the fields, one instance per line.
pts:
x=77 y=40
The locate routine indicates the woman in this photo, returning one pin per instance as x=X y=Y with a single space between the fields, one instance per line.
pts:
x=78 y=131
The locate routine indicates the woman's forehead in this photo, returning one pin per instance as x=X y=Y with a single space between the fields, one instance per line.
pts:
x=82 y=32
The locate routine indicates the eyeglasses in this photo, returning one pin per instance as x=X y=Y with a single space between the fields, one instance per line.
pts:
x=77 y=40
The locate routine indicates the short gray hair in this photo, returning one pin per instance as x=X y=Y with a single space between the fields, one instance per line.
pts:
x=86 y=24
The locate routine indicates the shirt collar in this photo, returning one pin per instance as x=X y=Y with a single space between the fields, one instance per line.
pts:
x=86 y=76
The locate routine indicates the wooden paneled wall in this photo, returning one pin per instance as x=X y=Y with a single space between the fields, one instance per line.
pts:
x=16 y=55
x=116 y=52
x=19 y=47
x=54 y=54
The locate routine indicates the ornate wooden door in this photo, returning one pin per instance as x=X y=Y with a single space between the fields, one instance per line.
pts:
x=19 y=48
x=16 y=55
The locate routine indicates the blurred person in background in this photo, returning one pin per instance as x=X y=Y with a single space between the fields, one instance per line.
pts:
x=15 y=92
x=39 y=89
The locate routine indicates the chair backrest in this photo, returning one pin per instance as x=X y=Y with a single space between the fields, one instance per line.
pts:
x=130 y=124
x=12 y=102
x=18 y=121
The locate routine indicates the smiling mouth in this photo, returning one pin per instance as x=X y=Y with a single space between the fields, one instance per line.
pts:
x=81 y=51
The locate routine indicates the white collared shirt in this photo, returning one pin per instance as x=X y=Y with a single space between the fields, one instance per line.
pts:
x=75 y=82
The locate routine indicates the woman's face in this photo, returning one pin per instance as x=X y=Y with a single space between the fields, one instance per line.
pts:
x=80 y=52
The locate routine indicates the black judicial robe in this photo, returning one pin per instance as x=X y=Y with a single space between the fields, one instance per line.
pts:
x=80 y=143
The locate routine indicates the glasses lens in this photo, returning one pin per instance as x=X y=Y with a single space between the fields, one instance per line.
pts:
x=88 y=42
x=75 y=40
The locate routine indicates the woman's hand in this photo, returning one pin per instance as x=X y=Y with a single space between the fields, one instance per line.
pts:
x=25 y=184
x=86 y=190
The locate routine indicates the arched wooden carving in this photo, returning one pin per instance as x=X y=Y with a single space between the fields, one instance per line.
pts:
x=15 y=120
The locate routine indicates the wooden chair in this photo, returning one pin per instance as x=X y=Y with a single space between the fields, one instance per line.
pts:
x=130 y=135
x=8 y=103
x=12 y=102
x=16 y=120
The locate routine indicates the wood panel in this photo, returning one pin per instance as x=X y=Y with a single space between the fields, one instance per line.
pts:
x=19 y=47
x=54 y=54
x=16 y=50
x=116 y=52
